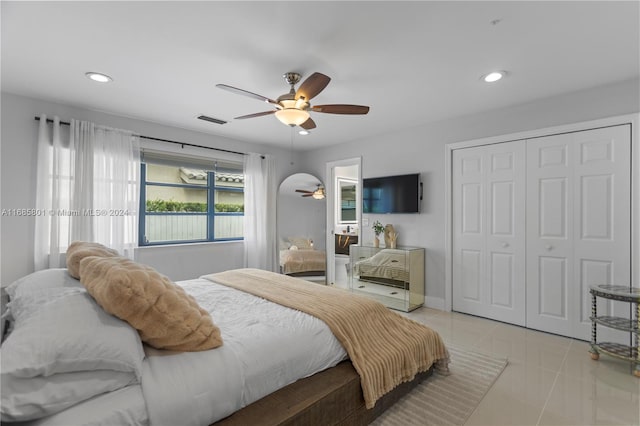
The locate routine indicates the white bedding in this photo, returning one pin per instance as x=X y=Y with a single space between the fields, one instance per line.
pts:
x=266 y=346
x=122 y=407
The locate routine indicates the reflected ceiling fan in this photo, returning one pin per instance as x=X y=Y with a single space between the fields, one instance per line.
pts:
x=293 y=107
x=318 y=193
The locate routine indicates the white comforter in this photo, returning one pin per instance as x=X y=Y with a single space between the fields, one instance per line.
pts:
x=266 y=346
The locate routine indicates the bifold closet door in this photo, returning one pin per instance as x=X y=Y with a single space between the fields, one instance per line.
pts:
x=578 y=225
x=489 y=225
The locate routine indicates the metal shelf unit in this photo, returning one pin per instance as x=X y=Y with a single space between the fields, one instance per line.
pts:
x=629 y=352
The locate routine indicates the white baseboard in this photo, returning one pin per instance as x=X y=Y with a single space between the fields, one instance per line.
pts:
x=434 y=302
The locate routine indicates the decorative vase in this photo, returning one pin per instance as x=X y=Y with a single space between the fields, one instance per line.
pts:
x=393 y=238
x=389 y=233
x=376 y=242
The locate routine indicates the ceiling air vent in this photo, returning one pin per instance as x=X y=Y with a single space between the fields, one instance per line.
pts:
x=211 y=119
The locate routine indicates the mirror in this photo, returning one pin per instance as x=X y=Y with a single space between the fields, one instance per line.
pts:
x=346 y=202
x=301 y=221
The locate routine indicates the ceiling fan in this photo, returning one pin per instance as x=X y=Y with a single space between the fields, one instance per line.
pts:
x=293 y=107
x=318 y=193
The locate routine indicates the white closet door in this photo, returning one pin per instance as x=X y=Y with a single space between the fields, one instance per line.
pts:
x=469 y=233
x=550 y=234
x=489 y=256
x=578 y=225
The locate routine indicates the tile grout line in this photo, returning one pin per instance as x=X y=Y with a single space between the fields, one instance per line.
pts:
x=553 y=386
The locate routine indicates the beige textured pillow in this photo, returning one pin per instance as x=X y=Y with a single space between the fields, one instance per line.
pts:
x=78 y=250
x=163 y=313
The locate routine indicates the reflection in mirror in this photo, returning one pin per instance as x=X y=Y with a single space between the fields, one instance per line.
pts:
x=301 y=227
x=346 y=201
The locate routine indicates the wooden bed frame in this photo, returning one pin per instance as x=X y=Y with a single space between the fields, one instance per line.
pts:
x=330 y=397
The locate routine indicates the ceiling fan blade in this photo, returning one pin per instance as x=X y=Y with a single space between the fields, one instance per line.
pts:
x=257 y=114
x=341 y=109
x=305 y=191
x=308 y=195
x=309 y=124
x=246 y=93
x=312 y=86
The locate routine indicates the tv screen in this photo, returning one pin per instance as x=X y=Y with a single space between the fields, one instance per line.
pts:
x=391 y=194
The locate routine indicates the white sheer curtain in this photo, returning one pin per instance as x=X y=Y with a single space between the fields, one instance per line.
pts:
x=87 y=189
x=116 y=186
x=53 y=194
x=260 y=212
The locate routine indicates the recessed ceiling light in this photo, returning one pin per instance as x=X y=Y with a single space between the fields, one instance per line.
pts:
x=494 y=76
x=98 y=77
x=303 y=132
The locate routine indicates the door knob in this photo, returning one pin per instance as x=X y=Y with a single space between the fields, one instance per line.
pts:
x=549 y=247
x=505 y=245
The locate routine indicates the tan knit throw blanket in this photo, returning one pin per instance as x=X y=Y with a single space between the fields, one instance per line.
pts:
x=385 y=348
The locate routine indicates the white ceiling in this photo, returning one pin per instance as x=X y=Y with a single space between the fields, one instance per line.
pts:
x=411 y=62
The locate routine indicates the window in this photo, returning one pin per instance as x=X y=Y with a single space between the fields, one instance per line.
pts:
x=187 y=203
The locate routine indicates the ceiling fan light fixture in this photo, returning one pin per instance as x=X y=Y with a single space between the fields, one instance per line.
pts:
x=318 y=194
x=292 y=116
x=301 y=103
x=303 y=132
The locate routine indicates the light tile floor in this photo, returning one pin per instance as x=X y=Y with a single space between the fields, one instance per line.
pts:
x=549 y=380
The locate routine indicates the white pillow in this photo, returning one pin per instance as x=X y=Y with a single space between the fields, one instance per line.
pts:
x=302 y=242
x=29 y=303
x=64 y=348
x=36 y=281
x=67 y=334
x=35 y=397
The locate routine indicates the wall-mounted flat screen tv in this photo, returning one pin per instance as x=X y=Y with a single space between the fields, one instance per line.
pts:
x=392 y=194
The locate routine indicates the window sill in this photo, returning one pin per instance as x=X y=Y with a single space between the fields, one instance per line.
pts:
x=186 y=245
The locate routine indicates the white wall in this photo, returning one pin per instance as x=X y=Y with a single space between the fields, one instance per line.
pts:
x=422 y=149
x=18 y=187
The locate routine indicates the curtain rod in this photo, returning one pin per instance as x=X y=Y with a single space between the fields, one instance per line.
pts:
x=66 y=123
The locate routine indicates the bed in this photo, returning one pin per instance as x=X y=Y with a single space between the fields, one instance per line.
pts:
x=301 y=263
x=80 y=365
x=388 y=267
x=299 y=258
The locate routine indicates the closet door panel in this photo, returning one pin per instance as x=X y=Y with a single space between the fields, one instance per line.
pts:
x=549 y=234
x=469 y=231
x=553 y=205
x=488 y=267
x=501 y=276
x=578 y=204
x=505 y=183
x=553 y=288
x=471 y=274
x=602 y=244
